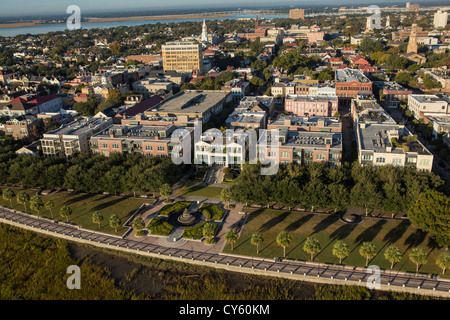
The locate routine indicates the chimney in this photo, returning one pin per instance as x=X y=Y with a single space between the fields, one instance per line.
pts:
x=287 y=121
x=139 y=117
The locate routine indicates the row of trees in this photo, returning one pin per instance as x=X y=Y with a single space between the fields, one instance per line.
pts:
x=119 y=173
x=341 y=250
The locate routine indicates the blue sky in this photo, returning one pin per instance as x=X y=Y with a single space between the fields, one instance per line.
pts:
x=58 y=7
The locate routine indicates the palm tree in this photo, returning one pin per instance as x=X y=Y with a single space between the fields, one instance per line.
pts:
x=418 y=256
x=97 y=217
x=341 y=250
x=367 y=251
x=166 y=191
x=209 y=230
x=443 y=261
x=284 y=240
x=23 y=198
x=9 y=194
x=138 y=224
x=65 y=211
x=36 y=204
x=114 y=221
x=225 y=196
x=256 y=240
x=231 y=237
x=49 y=205
x=393 y=255
x=311 y=246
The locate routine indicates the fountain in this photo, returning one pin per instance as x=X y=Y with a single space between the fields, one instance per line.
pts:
x=186 y=218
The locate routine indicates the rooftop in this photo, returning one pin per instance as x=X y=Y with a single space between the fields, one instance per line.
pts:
x=79 y=126
x=348 y=75
x=427 y=98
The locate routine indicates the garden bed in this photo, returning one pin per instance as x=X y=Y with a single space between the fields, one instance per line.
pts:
x=196 y=232
x=212 y=211
x=159 y=226
x=174 y=207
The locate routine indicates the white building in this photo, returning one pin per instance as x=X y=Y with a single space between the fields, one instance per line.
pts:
x=419 y=104
x=440 y=19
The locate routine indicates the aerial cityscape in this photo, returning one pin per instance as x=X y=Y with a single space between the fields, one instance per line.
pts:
x=210 y=152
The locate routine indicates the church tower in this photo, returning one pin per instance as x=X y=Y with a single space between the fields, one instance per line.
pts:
x=204 y=32
x=388 y=21
x=412 y=44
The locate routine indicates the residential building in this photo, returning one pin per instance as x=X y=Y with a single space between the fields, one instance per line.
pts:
x=30 y=150
x=149 y=87
x=237 y=88
x=393 y=93
x=440 y=19
x=257 y=103
x=137 y=108
x=302 y=105
x=23 y=127
x=31 y=104
x=311 y=124
x=72 y=137
x=419 y=104
x=182 y=56
x=246 y=120
x=441 y=123
x=148 y=140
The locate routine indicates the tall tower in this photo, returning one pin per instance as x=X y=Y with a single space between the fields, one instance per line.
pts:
x=388 y=21
x=204 y=32
x=412 y=44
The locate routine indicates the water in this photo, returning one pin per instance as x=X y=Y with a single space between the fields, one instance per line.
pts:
x=8 y=32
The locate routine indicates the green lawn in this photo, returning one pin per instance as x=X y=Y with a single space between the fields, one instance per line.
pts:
x=328 y=229
x=83 y=205
x=200 y=191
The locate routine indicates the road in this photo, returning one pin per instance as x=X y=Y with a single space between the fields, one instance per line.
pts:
x=299 y=268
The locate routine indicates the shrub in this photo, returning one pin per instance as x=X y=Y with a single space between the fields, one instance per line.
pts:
x=140 y=233
x=212 y=211
x=160 y=226
x=195 y=232
x=210 y=241
x=172 y=208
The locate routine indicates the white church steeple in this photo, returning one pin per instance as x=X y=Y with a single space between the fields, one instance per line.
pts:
x=204 y=32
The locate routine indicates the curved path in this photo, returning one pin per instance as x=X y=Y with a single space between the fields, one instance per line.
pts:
x=298 y=270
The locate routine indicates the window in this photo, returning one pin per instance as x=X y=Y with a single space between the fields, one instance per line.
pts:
x=148 y=147
x=381 y=160
x=424 y=162
x=104 y=145
x=161 y=148
x=397 y=161
x=115 y=146
x=285 y=155
x=320 y=156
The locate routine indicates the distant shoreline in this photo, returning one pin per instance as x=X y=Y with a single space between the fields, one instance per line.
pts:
x=118 y=19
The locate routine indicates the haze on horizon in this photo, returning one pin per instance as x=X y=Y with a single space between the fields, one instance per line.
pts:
x=29 y=8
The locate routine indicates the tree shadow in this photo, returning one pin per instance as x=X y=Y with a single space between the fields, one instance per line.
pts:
x=370 y=233
x=267 y=246
x=107 y=204
x=254 y=214
x=82 y=197
x=396 y=233
x=298 y=223
x=415 y=239
x=342 y=232
x=274 y=221
x=325 y=223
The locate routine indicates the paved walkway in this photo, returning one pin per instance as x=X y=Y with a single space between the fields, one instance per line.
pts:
x=299 y=270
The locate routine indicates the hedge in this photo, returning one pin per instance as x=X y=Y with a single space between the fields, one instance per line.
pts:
x=174 y=207
x=160 y=226
x=212 y=211
x=196 y=232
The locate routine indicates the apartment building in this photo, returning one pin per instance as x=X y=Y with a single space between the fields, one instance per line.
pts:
x=182 y=56
x=301 y=105
x=149 y=87
x=24 y=127
x=419 y=104
x=257 y=103
x=246 y=120
x=237 y=88
x=31 y=104
x=72 y=137
x=302 y=147
x=441 y=123
x=393 y=93
x=148 y=140
x=312 y=124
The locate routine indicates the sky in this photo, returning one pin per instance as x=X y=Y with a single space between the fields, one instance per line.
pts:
x=59 y=7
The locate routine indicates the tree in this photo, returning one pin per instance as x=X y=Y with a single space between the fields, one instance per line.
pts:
x=114 y=222
x=97 y=217
x=312 y=246
x=341 y=250
x=36 y=204
x=138 y=224
x=393 y=255
x=225 y=196
x=430 y=214
x=166 y=191
x=209 y=230
x=9 y=194
x=443 y=261
x=23 y=198
x=49 y=205
x=256 y=240
x=231 y=237
x=418 y=256
x=368 y=251
x=65 y=212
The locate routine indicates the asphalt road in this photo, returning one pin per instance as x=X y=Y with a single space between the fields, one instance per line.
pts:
x=289 y=267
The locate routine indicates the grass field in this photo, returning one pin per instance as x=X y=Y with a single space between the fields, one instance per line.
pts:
x=200 y=191
x=83 y=205
x=328 y=229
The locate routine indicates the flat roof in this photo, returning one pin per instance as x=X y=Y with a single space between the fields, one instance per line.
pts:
x=190 y=101
x=79 y=126
x=349 y=75
x=427 y=98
